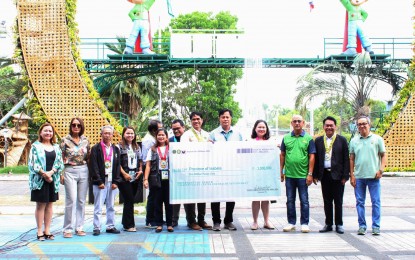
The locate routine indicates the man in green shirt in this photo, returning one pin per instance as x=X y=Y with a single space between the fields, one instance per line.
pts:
x=297 y=160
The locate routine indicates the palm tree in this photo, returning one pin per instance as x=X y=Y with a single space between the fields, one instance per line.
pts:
x=126 y=96
x=352 y=84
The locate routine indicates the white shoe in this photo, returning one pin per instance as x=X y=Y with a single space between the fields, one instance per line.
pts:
x=305 y=229
x=148 y=51
x=289 y=228
x=128 y=50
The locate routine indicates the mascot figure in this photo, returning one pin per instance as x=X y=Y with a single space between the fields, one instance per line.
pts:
x=139 y=15
x=356 y=17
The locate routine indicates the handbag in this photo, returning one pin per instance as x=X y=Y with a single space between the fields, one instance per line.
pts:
x=154 y=181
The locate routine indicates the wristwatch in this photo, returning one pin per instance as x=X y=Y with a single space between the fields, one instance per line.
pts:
x=310 y=174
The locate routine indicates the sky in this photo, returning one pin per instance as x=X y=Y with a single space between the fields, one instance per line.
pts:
x=274 y=29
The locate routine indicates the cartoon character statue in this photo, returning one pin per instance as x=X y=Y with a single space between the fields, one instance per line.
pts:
x=139 y=15
x=356 y=17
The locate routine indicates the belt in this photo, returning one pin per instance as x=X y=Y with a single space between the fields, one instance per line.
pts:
x=327 y=169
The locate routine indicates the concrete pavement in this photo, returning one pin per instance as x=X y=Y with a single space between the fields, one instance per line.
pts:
x=397 y=239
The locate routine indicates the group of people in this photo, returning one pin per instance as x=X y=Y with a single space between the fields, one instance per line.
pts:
x=75 y=164
x=330 y=160
x=112 y=168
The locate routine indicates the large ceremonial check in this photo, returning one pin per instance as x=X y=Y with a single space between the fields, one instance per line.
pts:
x=224 y=171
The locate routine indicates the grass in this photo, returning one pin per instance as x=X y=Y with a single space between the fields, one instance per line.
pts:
x=21 y=169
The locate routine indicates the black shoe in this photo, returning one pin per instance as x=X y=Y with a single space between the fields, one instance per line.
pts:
x=339 y=229
x=326 y=228
x=96 y=232
x=230 y=226
x=113 y=231
x=174 y=224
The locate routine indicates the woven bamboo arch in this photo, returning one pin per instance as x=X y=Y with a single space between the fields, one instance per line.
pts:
x=53 y=74
x=400 y=138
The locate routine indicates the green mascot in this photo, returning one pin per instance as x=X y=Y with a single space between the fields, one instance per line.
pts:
x=356 y=17
x=139 y=15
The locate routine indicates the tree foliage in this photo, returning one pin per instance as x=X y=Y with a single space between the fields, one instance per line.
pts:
x=201 y=89
x=11 y=85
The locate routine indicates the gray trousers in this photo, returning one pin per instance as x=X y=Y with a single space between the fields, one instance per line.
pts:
x=106 y=195
x=76 y=188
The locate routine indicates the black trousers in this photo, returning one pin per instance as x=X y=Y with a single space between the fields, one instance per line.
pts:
x=333 y=191
x=162 y=196
x=150 y=205
x=127 y=191
x=176 y=212
x=191 y=213
x=215 y=206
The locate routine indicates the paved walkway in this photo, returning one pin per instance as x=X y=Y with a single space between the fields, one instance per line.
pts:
x=397 y=240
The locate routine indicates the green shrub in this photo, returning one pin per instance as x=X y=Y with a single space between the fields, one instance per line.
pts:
x=15 y=169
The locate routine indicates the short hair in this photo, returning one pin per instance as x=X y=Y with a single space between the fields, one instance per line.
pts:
x=175 y=121
x=40 y=139
x=195 y=113
x=365 y=117
x=331 y=119
x=254 y=134
x=300 y=116
x=153 y=125
x=223 y=111
x=110 y=127
x=81 y=122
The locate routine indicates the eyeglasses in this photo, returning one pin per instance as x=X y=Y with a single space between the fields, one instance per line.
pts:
x=76 y=125
x=176 y=129
x=297 y=121
x=361 y=124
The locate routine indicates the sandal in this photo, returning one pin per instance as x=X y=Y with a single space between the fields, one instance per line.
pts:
x=80 y=233
x=67 y=234
x=159 y=229
x=49 y=236
x=254 y=226
x=269 y=227
x=41 y=238
x=170 y=229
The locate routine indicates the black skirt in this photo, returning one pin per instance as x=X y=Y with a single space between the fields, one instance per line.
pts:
x=45 y=194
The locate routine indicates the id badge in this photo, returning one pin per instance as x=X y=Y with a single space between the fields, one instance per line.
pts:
x=163 y=164
x=132 y=175
x=164 y=175
x=107 y=164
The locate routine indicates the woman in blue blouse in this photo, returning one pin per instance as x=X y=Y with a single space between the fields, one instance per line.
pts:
x=45 y=165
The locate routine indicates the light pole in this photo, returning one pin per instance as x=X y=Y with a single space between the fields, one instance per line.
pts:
x=159 y=81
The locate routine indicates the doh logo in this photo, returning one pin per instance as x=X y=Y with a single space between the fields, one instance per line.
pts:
x=178 y=151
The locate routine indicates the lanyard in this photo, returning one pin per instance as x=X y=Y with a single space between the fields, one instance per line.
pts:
x=107 y=157
x=163 y=157
x=198 y=137
x=329 y=147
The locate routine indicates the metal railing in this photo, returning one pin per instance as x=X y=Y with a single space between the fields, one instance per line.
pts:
x=121 y=117
x=397 y=48
x=216 y=43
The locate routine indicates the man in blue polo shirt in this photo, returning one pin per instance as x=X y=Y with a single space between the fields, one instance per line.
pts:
x=367 y=162
x=297 y=164
x=224 y=133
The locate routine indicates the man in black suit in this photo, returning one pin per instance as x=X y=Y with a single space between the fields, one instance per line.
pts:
x=332 y=169
x=105 y=175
